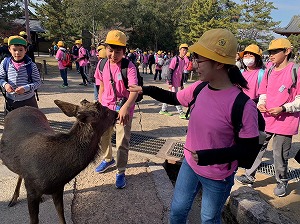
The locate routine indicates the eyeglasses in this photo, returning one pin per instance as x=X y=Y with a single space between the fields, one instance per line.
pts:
x=201 y=61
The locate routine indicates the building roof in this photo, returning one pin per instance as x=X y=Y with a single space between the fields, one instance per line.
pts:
x=34 y=25
x=292 y=28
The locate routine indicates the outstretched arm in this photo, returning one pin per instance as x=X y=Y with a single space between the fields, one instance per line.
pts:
x=156 y=93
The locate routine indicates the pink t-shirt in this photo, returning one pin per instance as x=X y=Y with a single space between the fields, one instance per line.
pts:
x=59 y=57
x=276 y=87
x=108 y=95
x=145 y=58
x=177 y=74
x=252 y=78
x=186 y=63
x=81 y=54
x=17 y=65
x=210 y=126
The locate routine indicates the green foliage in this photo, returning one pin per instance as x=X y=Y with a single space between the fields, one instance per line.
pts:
x=255 y=22
x=203 y=15
x=156 y=25
x=10 y=10
x=295 y=40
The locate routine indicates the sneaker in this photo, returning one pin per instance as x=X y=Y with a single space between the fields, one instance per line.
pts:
x=82 y=84
x=243 y=179
x=165 y=112
x=63 y=86
x=120 y=180
x=280 y=189
x=182 y=116
x=105 y=165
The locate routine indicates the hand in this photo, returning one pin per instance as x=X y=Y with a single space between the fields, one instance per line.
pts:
x=262 y=108
x=135 y=88
x=275 y=111
x=20 y=90
x=123 y=115
x=170 y=87
x=182 y=87
x=8 y=88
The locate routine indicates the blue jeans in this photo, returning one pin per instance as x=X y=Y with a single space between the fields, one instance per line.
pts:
x=64 y=75
x=214 y=195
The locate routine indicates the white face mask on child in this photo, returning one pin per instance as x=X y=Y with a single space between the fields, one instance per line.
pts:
x=249 y=61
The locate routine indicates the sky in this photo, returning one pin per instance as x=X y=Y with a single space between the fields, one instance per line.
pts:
x=286 y=9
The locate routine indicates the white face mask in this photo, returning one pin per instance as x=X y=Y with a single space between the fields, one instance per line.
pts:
x=249 y=61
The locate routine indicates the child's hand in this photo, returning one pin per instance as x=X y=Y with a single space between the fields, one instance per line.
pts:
x=275 y=111
x=262 y=108
x=123 y=115
x=135 y=88
x=8 y=88
x=20 y=90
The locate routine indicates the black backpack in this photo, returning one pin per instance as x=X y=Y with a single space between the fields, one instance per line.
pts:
x=236 y=119
x=124 y=67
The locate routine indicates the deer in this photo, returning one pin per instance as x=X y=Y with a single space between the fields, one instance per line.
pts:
x=48 y=160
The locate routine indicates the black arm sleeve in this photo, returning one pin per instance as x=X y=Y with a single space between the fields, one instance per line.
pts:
x=245 y=152
x=170 y=76
x=161 y=95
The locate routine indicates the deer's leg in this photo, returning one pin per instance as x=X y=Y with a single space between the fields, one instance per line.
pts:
x=33 y=200
x=58 y=199
x=16 y=194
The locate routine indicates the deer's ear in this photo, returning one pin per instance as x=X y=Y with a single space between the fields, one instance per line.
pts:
x=69 y=109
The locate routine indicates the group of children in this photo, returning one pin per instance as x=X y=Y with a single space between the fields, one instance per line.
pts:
x=273 y=89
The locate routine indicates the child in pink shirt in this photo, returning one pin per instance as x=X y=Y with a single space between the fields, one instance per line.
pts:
x=82 y=60
x=61 y=53
x=114 y=95
x=279 y=102
x=254 y=69
x=175 y=79
x=210 y=151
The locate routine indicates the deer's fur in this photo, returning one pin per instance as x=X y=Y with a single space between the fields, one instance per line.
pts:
x=47 y=160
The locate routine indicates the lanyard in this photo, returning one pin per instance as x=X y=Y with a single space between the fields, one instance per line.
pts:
x=112 y=82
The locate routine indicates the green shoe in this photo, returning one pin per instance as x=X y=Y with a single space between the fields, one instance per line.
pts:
x=182 y=116
x=165 y=113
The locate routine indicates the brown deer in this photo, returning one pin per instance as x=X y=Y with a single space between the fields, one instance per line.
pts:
x=47 y=160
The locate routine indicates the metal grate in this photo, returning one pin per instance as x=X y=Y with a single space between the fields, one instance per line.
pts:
x=143 y=143
x=269 y=169
x=177 y=150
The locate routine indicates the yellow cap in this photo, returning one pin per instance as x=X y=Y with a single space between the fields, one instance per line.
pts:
x=60 y=43
x=145 y=52
x=217 y=44
x=159 y=52
x=183 y=45
x=78 y=41
x=5 y=41
x=188 y=54
x=102 y=53
x=116 y=37
x=23 y=33
x=253 y=48
x=279 y=43
x=17 y=40
x=131 y=51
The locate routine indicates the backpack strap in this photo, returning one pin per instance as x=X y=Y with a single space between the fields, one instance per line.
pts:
x=260 y=76
x=295 y=74
x=124 y=67
x=237 y=113
x=102 y=63
x=195 y=94
x=177 y=63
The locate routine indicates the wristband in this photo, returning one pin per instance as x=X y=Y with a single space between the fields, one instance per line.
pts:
x=283 y=108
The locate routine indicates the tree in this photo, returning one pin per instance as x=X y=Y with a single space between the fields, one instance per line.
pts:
x=10 y=10
x=255 y=22
x=53 y=16
x=203 y=15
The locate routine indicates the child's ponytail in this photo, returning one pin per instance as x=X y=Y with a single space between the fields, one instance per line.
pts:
x=236 y=76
